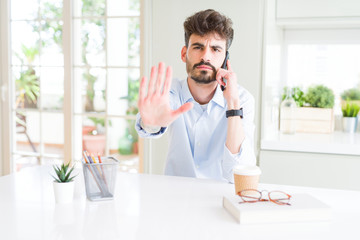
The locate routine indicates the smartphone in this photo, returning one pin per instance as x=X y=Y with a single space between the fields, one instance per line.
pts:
x=224 y=66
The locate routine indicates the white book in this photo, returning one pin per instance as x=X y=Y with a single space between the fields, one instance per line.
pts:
x=303 y=207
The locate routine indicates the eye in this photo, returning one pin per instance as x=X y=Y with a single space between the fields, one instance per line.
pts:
x=216 y=49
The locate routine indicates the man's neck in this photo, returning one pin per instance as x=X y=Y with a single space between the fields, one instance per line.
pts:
x=202 y=93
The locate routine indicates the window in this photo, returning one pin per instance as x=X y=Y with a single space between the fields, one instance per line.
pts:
x=105 y=79
x=328 y=57
x=306 y=57
x=106 y=76
x=37 y=75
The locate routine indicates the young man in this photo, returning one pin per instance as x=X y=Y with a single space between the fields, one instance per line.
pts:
x=210 y=130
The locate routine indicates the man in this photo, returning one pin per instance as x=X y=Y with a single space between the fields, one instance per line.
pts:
x=203 y=141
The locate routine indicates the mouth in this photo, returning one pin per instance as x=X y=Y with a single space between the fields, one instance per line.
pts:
x=204 y=67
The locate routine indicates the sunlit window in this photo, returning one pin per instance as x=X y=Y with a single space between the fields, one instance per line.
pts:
x=106 y=70
x=336 y=66
x=327 y=57
x=37 y=66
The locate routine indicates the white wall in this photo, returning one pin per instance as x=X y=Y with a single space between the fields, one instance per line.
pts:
x=310 y=169
x=167 y=39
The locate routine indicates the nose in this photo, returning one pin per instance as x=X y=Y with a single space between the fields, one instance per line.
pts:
x=206 y=54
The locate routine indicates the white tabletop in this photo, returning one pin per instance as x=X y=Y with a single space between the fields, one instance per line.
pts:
x=155 y=207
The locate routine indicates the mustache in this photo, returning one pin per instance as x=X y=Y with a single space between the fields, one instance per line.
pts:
x=204 y=63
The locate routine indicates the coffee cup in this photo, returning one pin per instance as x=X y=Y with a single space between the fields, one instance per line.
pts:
x=246 y=177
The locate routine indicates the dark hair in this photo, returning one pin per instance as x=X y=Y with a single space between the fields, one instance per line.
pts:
x=207 y=21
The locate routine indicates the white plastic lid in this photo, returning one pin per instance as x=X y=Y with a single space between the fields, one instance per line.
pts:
x=247 y=170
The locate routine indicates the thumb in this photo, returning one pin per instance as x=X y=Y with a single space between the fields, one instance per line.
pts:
x=184 y=108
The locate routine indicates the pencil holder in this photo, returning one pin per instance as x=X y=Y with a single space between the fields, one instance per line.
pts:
x=100 y=179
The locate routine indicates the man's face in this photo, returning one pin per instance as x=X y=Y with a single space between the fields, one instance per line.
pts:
x=204 y=56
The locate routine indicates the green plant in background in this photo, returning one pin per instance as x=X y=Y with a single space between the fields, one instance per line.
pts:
x=132 y=97
x=29 y=53
x=27 y=86
x=297 y=94
x=50 y=10
x=63 y=173
x=351 y=94
x=320 y=96
x=350 y=110
x=98 y=122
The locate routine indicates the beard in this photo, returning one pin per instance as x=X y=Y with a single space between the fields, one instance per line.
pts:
x=201 y=76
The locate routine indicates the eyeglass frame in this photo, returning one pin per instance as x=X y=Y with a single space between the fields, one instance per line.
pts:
x=261 y=199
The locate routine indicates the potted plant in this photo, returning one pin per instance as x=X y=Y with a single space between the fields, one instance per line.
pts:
x=314 y=113
x=350 y=96
x=94 y=140
x=63 y=183
x=317 y=115
x=297 y=94
x=350 y=112
x=320 y=96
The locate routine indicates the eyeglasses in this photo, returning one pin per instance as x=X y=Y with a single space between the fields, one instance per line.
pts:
x=253 y=195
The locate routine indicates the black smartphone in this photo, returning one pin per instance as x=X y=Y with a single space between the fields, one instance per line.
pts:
x=224 y=66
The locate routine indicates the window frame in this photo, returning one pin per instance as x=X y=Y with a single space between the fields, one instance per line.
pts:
x=7 y=161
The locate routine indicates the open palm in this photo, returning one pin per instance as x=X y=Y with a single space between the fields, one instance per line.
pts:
x=154 y=105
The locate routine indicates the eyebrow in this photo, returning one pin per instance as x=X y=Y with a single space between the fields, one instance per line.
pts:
x=202 y=45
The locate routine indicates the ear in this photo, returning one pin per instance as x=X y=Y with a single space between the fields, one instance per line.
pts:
x=183 y=53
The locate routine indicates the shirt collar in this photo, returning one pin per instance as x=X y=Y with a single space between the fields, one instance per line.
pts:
x=218 y=97
x=186 y=92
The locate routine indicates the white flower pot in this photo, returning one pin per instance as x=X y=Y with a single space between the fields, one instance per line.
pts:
x=349 y=124
x=64 y=192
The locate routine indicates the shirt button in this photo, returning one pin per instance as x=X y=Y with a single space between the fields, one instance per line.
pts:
x=198 y=144
x=197 y=166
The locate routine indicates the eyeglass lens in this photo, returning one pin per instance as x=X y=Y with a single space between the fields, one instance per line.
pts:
x=252 y=195
x=279 y=197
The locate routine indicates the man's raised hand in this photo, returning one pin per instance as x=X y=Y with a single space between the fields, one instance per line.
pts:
x=154 y=105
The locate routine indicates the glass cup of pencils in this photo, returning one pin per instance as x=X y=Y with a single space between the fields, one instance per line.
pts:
x=100 y=176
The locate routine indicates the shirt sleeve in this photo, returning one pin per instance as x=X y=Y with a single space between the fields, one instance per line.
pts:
x=142 y=133
x=246 y=155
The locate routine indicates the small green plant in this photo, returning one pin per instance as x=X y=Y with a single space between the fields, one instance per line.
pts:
x=351 y=94
x=297 y=94
x=63 y=173
x=99 y=123
x=320 y=96
x=350 y=110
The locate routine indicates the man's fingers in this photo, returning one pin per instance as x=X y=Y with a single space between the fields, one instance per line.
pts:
x=168 y=79
x=229 y=65
x=184 y=108
x=160 y=77
x=142 y=90
x=152 y=81
x=219 y=77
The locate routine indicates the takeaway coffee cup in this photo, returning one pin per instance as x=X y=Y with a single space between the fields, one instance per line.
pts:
x=246 y=177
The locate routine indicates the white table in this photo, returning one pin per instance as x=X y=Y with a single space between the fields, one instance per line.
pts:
x=155 y=207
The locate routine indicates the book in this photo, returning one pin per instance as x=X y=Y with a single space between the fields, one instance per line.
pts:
x=304 y=207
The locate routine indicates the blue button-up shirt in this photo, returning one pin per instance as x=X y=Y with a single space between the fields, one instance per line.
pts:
x=197 y=138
